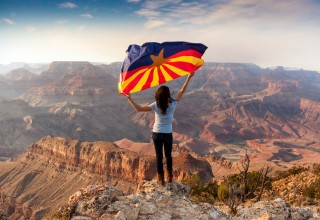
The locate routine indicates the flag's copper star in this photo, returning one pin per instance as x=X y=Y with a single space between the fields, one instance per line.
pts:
x=158 y=60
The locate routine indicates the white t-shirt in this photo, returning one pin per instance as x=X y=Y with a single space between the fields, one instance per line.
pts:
x=163 y=123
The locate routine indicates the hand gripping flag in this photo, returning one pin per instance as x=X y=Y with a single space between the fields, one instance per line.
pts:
x=153 y=64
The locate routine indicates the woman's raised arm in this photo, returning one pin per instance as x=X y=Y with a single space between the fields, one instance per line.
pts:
x=184 y=87
x=137 y=107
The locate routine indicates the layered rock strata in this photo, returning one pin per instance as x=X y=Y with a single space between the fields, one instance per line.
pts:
x=53 y=168
x=105 y=158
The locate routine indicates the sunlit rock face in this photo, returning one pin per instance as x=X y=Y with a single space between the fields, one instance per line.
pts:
x=55 y=167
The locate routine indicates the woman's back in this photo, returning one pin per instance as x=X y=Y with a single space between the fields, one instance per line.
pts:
x=163 y=122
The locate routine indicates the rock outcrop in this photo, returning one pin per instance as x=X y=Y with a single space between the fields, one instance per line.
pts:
x=277 y=209
x=74 y=82
x=20 y=74
x=150 y=201
x=101 y=158
x=292 y=187
x=53 y=168
x=105 y=158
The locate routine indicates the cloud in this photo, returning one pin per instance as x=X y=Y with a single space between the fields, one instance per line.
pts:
x=68 y=5
x=173 y=12
x=272 y=13
x=154 y=24
x=8 y=21
x=87 y=15
x=135 y=1
x=151 y=4
x=148 y=12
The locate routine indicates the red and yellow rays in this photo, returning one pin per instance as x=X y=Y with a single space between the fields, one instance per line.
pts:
x=162 y=70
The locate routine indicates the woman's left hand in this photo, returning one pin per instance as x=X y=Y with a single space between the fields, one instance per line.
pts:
x=191 y=75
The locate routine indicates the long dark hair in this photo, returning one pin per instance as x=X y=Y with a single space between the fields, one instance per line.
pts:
x=163 y=98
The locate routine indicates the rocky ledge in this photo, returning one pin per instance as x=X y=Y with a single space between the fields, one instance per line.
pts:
x=150 y=201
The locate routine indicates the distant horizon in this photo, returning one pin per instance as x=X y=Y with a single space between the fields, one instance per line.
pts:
x=288 y=68
x=107 y=63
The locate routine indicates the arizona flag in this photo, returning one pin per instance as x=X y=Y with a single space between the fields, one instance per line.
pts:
x=153 y=64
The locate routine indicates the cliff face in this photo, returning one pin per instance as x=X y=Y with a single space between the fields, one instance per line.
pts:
x=20 y=74
x=53 y=168
x=102 y=158
x=73 y=82
x=58 y=69
x=105 y=158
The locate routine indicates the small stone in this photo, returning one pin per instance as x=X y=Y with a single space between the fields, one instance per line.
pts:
x=120 y=216
x=148 y=209
x=81 y=218
x=132 y=214
x=107 y=217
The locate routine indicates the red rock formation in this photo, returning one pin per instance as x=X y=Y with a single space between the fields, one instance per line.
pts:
x=72 y=81
x=102 y=158
x=20 y=74
x=55 y=168
x=283 y=85
x=186 y=162
x=105 y=158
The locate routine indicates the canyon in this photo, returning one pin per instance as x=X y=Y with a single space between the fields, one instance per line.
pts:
x=227 y=105
x=63 y=126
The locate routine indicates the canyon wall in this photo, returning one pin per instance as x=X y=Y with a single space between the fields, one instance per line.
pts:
x=54 y=168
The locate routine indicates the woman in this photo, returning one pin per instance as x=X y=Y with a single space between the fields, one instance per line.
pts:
x=163 y=107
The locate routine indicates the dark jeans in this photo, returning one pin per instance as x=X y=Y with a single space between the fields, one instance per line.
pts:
x=161 y=140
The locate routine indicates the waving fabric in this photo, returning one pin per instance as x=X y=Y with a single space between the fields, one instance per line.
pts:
x=153 y=63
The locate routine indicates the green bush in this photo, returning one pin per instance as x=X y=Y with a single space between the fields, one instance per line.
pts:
x=316 y=169
x=193 y=181
x=3 y=216
x=200 y=191
x=284 y=174
x=254 y=180
x=313 y=191
x=223 y=192
x=233 y=179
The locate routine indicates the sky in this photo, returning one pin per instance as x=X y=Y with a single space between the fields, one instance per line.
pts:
x=265 y=32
